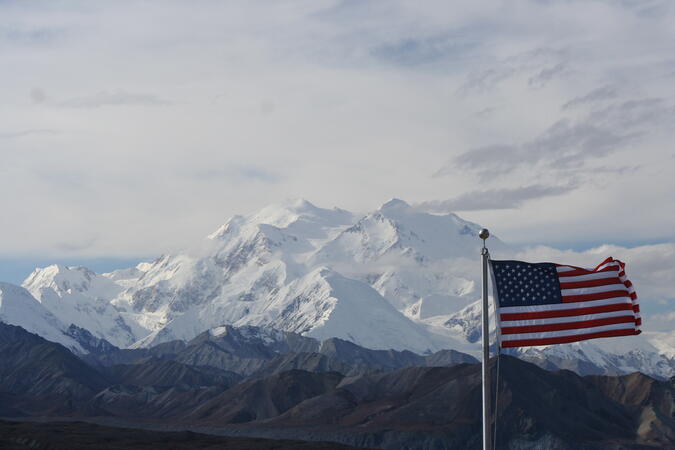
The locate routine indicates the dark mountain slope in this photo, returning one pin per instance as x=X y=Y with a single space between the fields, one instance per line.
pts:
x=255 y=351
x=81 y=436
x=537 y=407
x=650 y=402
x=33 y=369
x=164 y=372
x=414 y=407
x=150 y=402
x=264 y=398
x=311 y=362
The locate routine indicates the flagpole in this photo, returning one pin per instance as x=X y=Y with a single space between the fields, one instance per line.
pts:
x=487 y=438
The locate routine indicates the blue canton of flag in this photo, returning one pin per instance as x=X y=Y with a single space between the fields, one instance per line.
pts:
x=519 y=283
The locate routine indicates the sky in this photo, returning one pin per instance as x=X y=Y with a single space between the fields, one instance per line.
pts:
x=133 y=128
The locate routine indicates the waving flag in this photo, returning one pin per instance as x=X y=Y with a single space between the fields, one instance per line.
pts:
x=546 y=303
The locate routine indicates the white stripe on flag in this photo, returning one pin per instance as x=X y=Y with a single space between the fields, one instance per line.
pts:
x=594 y=289
x=609 y=264
x=572 y=319
x=563 y=306
x=590 y=276
x=562 y=333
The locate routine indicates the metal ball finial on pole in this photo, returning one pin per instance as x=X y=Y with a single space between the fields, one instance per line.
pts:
x=487 y=438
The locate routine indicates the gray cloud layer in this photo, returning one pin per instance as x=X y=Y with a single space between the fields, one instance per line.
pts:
x=507 y=198
x=596 y=95
x=117 y=98
x=146 y=124
x=571 y=144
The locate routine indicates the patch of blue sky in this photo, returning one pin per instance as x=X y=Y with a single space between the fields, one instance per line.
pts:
x=432 y=50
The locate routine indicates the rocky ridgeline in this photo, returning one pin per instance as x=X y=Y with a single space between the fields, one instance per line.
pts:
x=255 y=382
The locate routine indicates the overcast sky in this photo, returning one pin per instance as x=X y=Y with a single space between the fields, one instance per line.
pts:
x=128 y=129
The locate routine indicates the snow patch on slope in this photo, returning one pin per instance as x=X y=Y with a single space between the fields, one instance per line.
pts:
x=76 y=295
x=19 y=307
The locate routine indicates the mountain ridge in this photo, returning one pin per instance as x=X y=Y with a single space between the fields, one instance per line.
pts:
x=393 y=278
x=413 y=407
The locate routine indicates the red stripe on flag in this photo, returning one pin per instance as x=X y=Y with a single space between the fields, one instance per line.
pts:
x=568 y=339
x=575 y=272
x=567 y=312
x=607 y=260
x=591 y=283
x=595 y=296
x=568 y=325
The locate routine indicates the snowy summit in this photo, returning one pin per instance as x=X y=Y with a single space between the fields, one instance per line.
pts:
x=394 y=278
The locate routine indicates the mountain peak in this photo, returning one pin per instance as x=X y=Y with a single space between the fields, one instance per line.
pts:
x=284 y=213
x=59 y=277
x=19 y=307
x=296 y=216
x=302 y=204
x=297 y=205
x=395 y=204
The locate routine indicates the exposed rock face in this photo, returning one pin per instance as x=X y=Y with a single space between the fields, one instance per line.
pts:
x=264 y=398
x=649 y=401
x=350 y=394
x=42 y=376
x=536 y=408
x=168 y=373
x=263 y=351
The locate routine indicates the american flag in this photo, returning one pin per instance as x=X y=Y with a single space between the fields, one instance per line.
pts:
x=546 y=303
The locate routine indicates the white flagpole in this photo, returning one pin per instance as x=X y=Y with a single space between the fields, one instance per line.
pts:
x=487 y=438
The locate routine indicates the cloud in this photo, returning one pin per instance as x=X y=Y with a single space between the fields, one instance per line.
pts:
x=115 y=98
x=242 y=173
x=635 y=114
x=485 y=112
x=25 y=133
x=413 y=51
x=594 y=96
x=486 y=161
x=37 y=95
x=26 y=35
x=171 y=118
x=493 y=199
x=547 y=74
x=75 y=246
x=646 y=8
x=568 y=143
x=539 y=65
x=486 y=80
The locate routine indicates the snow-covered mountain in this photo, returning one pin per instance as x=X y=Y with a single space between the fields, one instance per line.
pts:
x=18 y=307
x=76 y=295
x=297 y=267
x=392 y=278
